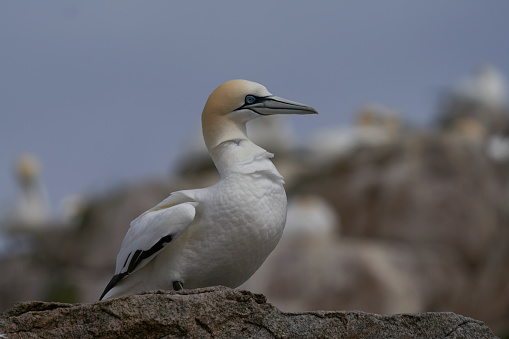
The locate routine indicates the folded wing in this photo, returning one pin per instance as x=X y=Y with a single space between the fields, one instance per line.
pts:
x=151 y=232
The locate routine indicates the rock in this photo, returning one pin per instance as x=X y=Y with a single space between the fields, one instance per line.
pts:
x=373 y=276
x=430 y=189
x=443 y=199
x=223 y=313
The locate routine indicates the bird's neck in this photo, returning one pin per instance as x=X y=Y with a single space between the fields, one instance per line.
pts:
x=31 y=188
x=232 y=151
x=242 y=157
x=217 y=130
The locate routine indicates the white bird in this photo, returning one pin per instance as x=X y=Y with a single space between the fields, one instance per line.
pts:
x=376 y=126
x=32 y=209
x=219 y=235
x=486 y=86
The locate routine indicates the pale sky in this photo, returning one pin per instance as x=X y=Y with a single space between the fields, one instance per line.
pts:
x=106 y=92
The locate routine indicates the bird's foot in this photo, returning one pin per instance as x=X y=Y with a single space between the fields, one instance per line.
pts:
x=177 y=286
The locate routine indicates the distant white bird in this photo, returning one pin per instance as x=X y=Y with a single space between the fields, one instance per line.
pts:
x=375 y=126
x=32 y=209
x=498 y=147
x=218 y=235
x=487 y=86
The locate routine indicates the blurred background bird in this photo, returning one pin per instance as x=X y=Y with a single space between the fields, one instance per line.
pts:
x=31 y=209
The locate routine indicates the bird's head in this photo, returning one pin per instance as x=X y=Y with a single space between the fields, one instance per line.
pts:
x=27 y=168
x=234 y=103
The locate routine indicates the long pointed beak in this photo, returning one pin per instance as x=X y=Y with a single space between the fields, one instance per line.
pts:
x=275 y=105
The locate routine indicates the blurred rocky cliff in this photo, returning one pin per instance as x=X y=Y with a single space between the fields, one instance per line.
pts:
x=382 y=218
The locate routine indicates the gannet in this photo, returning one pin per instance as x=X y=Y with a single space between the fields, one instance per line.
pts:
x=486 y=86
x=32 y=209
x=219 y=235
x=375 y=126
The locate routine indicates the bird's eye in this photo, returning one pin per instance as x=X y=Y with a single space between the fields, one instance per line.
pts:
x=249 y=99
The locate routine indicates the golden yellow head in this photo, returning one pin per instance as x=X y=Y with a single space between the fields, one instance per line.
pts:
x=230 y=95
x=27 y=167
x=234 y=103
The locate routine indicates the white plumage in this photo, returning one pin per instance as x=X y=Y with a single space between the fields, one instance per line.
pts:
x=32 y=209
x=487 y=86
x=218 y=235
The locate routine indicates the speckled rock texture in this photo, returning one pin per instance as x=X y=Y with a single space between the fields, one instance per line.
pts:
x=220 y=312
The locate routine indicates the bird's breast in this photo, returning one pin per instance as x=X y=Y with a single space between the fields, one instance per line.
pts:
x=251 y=208
x=241 y=222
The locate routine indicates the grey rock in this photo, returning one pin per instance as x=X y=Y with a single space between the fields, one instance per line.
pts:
x=220 y=312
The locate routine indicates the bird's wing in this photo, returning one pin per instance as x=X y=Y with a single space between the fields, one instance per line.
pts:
x=151 y=232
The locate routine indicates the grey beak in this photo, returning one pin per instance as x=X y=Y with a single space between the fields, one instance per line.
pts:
x=275 y=105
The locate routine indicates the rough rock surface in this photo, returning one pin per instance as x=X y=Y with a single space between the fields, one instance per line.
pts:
x=220 y=312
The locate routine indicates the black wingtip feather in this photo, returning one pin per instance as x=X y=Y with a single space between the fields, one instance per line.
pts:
x=136 y=258
x=116 y=278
